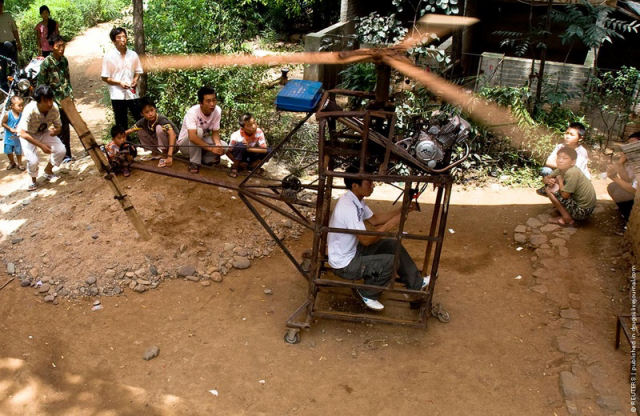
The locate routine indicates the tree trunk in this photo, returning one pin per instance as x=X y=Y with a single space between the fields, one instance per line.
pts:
x=543 y=57
x=138 y=29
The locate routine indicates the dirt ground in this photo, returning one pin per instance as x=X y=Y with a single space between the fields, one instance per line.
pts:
x=510 y=348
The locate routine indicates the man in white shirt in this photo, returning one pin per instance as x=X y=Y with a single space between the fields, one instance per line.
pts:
x=200 y=132
x=121 y=69
x=39 y=127
x=368 y=257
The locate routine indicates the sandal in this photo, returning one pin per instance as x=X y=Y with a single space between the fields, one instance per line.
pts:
x=193 y=168
x=162 y=163
x=20 y=167
x=233 y=173
x=126 y=172
x=12 y=166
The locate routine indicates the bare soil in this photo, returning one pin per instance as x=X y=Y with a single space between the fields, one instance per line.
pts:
x=502 y=352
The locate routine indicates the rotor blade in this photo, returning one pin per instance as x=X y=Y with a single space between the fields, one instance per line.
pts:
x=433 y=26
x=156 y=63
x=493 y=116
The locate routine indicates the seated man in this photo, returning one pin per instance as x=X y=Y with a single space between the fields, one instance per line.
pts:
x=200 y=133
x=248 y=145
x=368 y=257
x=570 y=192
x=624 y=183
x=156 y=133
x=39 y=128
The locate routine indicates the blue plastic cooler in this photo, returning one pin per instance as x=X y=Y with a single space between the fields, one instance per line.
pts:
x=299 y=95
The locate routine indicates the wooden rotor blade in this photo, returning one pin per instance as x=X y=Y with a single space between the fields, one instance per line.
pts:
x=156 y=63
x=497 y=118
x=433 y=26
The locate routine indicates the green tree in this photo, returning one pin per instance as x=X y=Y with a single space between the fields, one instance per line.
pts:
x=591 y=25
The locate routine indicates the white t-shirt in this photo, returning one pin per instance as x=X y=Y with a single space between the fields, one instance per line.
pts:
x=194 y=119
x=632 y=175
x=7 y=27
x=34 y=122
x=349 y=213
x=120 y=68
x=257 y=140
x=582 y=160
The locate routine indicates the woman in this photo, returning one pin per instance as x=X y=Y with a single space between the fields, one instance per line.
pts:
x=44 y=30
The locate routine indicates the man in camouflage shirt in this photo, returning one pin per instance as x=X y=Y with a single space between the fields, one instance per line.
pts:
x=54 y=72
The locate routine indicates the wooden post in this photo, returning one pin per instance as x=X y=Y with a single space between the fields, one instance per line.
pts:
x=100 y=159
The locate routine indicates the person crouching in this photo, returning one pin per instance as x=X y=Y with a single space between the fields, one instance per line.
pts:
x=120 y=152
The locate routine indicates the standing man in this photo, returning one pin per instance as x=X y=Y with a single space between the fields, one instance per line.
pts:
x=121 y=69
x=8 y=33
x=54 y=72
x=200 y=131
x=38 y=128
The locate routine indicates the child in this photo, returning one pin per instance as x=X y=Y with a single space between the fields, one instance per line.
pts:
x=119 y=151
x=156 y=133
x=624 y=183
x=248 y=145
x=11 y=139
x=575 y=198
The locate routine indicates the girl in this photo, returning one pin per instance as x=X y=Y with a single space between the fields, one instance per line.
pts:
x=44 y=31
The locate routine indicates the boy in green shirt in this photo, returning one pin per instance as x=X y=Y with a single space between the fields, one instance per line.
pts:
x=570 y=192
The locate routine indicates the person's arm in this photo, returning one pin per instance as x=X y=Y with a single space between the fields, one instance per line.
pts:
x=626 y=185
x=5 y=125
x=383 y=217
x=172 y=143
x=196 y=140
x=215 y=135
x=38 y=40
x=390 y=224
x=112 y=81
x=560 y=182
x=16 y=35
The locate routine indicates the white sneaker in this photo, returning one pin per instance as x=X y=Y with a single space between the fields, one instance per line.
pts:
x=425 y=281
x=372 y=303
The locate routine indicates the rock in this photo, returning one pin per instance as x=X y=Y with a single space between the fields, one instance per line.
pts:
x=610 y=403
x=25 y=282
x=240 y=251
x=143 y=282
x=17 y=240
x=549 y=228
x=49 y=298
x=268 y=292
x=537 y=240
x=541 y=273
x=140 y=288
x=186 y=270
x=193 y=278
x=205 y=283
x=91 y=280
x=95 y=236
x=520 y=229
x=132 y=284
x=34 y=272
x=572 y=324
x=570 y=385
x=93 y=291
x=542 y=289
x=517 y=237
x=241 y=262
x=216 y=277
x=117 y=290
x=44 y=288
x=141 y=272
x=153 y=270
x=563 y=251
x=543 y=218
x=569 y=314
x=150 y=353
x=110 y=274
x=228 y=247
x=130 y=275
x=11 y=268
x=558 y=242
x=572 y=409
x=534 y=223
x=224 y=270
x=544 y=253
x=566 y=344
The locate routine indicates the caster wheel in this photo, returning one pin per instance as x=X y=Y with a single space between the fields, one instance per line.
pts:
x=439 y=312
x=292 y=336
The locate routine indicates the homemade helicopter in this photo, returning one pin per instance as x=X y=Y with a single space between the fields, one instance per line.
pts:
x=364 y=138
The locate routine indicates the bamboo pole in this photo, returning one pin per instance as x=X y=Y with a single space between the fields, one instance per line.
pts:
x=102 y=164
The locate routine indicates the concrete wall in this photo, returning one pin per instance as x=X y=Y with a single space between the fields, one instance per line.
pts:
x=340 y=35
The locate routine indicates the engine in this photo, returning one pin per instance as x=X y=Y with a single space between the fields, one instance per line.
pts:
x=434 y=140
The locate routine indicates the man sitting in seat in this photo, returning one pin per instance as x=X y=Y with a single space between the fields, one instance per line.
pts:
x=368 y=257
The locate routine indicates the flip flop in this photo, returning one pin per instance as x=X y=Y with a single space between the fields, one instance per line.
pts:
x=162 y=163
x=193 y=168
x=233 y=173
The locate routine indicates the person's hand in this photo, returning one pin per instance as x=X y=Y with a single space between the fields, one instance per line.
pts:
x=134 y=83
x=52 y=130
x=45 y=149
x=124 y=85
x=612 y=172
x=217 y=150
x=548 y=180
